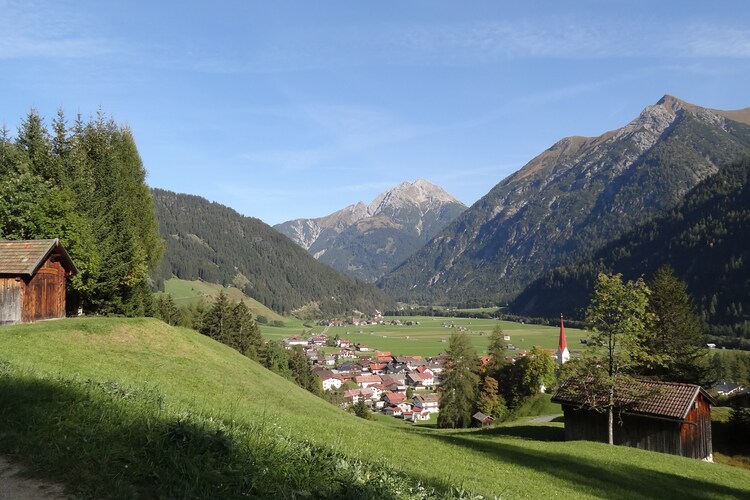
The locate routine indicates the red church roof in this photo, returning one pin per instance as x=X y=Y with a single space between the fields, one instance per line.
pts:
x=563 y=343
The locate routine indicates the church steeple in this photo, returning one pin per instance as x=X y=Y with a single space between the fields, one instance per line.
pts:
x=563 y=354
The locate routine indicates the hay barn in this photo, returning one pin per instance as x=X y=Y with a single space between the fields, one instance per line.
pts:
x=33 y=274
x=667 y=417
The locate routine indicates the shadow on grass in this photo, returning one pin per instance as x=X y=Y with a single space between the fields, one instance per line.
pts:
x=533 y=432
x=601 y=480
x=104 y=440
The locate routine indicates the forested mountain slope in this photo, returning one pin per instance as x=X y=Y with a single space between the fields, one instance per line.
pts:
x=366 y=241
x=569 y=201
x=214 y=243
x=704 y=239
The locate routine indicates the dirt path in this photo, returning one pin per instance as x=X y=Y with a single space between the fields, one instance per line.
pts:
x=13 y=486
x=542 y=419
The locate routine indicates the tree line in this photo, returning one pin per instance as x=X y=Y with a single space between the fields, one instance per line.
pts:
x=84 y=183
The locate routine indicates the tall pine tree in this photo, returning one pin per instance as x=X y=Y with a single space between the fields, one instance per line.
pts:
x=458 y=391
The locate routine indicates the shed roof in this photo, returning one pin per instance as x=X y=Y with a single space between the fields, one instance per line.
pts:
x=643 y=397
x=24 y=257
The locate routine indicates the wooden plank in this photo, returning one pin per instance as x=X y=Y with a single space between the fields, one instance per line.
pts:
x=10 y=301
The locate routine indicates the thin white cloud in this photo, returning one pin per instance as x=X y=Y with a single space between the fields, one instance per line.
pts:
x=344 y=131
x=34 y=30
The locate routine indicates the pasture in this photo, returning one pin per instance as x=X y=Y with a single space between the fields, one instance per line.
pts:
x=430 y=336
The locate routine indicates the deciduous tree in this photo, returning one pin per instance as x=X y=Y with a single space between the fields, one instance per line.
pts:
x=620 y=326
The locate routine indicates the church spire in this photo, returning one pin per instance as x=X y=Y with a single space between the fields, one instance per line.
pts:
x=563 y=354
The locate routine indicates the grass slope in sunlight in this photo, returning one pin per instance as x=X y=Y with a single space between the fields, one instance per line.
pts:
x=135 y=408
x=186 y=292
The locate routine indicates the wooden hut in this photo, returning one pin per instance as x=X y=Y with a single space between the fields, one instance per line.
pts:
x=32 y=280
x=483 y=420
x=667 y=417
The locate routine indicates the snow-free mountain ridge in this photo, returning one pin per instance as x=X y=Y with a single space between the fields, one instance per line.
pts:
x=570 y=200
x=366 y=241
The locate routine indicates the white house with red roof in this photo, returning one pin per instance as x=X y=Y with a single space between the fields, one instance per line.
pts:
x=331 y=382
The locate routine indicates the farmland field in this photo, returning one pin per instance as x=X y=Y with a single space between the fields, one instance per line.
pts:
x=430 y=336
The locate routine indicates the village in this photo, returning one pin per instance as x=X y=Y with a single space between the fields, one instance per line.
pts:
x=399 y=386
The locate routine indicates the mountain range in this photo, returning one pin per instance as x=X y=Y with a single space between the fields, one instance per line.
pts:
x=210 y=242
x=366 y=241
x=704 y=240
x=569 y=201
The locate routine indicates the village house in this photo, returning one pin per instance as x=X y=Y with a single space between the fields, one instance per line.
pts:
x=727 y=388
x=411 y=362
x=419 y=381
x=32 y=280
x=416 y=415
x=331 y=382
x=667 y=417
x=319 y=340
x=427 y=402
x=365 y=381
x=383 y=357
x=343 y=343
x=395 y=368
x=377 y=368
x=290 y=342
x=394 y=398
x=395 y=382
x=393 y=411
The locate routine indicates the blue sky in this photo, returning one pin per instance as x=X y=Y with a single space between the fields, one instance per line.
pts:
x=296 y=109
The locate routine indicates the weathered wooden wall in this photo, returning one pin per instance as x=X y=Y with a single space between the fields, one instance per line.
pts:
x=44 y=294
x=695 y=434
x=10 y=301
x=689 y=439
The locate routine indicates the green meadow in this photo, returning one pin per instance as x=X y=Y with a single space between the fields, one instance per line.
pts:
x=187 y=293
x=133 y=408
x=430 y=336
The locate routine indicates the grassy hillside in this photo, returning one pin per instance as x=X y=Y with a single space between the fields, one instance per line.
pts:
x=146 y=410
x=185 y=292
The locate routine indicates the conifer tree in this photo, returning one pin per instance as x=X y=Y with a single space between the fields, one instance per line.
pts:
x=217 y=319
x=678 y=335
x=458 y=391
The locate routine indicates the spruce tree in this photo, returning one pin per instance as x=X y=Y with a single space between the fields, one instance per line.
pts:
x=217 y=319
x=678 y=335
x=458 y=391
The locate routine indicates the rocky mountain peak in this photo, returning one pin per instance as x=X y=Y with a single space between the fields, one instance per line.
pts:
x=420 y=193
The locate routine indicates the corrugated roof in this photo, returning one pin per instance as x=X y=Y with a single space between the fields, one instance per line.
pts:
x=643 y=397
x=24 y=257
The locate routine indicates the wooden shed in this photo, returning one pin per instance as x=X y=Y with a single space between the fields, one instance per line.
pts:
x=32 y=280
x=668 y=417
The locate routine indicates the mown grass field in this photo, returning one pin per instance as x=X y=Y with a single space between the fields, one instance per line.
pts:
x=430 y=336
x=134 y=408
